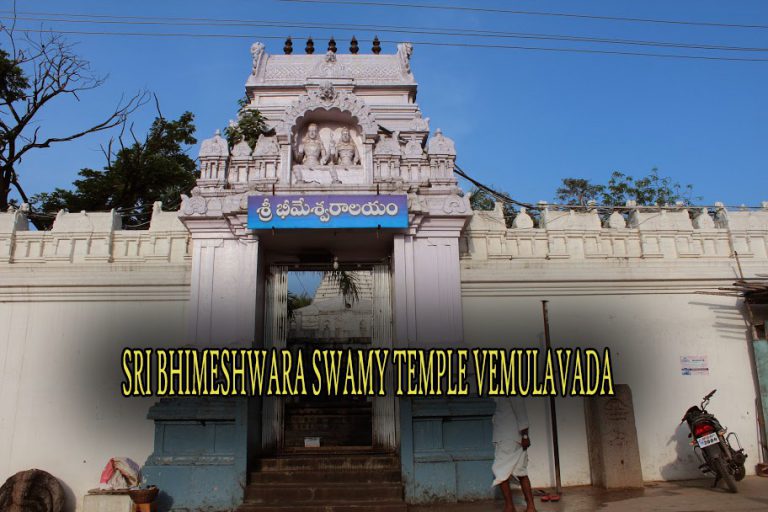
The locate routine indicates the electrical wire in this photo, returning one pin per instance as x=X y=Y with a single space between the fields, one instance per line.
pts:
x=530 y=13
x=423 y=43
x=605 y=208
x=447 y=31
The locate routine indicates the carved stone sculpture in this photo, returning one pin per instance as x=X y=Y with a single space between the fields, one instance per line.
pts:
x=388 y=145
x=439 y=144
x=214 y=147
x=326 y=92
x=266 y=146
x=311 y=151
x=616 y=221
x=329 y=67
x=241 y=150
x=404 y=52
x=413 y=149
x=522 y=220
x=703 y=220
x=258 y=54
x=345 y=151
x=420 y=124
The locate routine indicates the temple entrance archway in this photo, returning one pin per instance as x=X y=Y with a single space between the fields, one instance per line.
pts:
x=328 y=306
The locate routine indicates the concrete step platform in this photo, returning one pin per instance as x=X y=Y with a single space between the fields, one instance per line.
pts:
x=314 y=477
x=324 y=492
x=321 y=460
x=368 y=506
x=354 y=479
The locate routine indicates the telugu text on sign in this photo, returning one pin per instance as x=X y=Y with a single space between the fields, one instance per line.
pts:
x=327 y=211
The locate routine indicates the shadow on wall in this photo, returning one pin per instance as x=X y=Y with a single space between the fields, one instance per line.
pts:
x=729 y=320
x=164 y=501
x=686 y=463
x=70 y=500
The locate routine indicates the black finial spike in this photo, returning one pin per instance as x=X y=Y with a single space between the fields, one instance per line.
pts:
x=332 y=45
x=288 y=48
x=376 y=45
x=353 y=47
x=310 y=48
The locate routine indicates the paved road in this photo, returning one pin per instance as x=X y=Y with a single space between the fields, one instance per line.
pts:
x=686 y=496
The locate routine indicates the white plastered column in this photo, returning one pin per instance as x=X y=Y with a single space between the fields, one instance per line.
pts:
x=427 y=284
x=223 y=298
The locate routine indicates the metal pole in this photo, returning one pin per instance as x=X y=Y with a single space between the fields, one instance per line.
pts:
x=552 y=408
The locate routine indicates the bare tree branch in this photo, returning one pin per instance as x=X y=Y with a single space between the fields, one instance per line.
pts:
x=46 y=69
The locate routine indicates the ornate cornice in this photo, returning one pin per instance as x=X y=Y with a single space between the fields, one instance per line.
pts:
x=327 y=98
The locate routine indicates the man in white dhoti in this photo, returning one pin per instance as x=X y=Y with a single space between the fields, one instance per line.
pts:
x=511 y=442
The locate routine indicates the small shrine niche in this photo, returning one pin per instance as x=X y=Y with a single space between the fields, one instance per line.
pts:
x=328 y=148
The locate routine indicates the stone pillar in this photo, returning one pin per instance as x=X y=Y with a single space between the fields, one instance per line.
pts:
x=201 y=444
x=427 y=284
x=222 y=307
x=614 y=455
x=426 y=287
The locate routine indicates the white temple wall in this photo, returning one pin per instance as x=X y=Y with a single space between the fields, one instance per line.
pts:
x=70 y=300
x=60 y=377
x=637 y=289
x=647 y=332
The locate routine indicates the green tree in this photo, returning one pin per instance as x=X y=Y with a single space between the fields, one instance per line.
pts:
x=157 y=168
x=652 y=189
x=482 y=200
x=297 y=301
x=578 y=191
x=34 y=75
x=249 y=126
x=346 y=283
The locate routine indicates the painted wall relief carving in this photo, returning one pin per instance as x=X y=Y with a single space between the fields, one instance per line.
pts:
x=328 y=153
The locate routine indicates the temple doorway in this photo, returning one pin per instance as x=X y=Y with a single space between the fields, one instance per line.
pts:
x=328 y=309
x=328 y=306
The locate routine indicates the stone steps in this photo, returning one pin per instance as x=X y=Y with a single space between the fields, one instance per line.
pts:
x=322 y=492
x=326 y=480
x=323 y=460
x=312 y=477
x=336 y=423
x=368 y=506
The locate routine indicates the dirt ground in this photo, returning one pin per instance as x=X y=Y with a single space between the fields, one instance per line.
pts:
x=683 y=496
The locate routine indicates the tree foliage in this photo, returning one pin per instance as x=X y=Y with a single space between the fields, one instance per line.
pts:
x=650 y=190
x=34 y=75
x=156 y=168
x=482 y=200
x=249 y=126
x=578 y=191
x=346 y=282
x=297 y=301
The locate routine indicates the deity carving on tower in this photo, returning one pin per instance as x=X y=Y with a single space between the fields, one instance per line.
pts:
x=345 y=151
x=257 y=54
x=311 y=151
x=404 y=52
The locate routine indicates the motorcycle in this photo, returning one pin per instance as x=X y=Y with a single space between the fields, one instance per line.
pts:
x=713 y=447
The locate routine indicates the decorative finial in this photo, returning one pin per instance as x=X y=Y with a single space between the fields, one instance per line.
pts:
x=288 y=48
x=353 y=47
x=376 y=45
x=332 y=45
x=310 y=48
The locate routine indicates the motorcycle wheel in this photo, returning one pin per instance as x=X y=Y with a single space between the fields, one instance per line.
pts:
x=722 y=470
x=740 y=473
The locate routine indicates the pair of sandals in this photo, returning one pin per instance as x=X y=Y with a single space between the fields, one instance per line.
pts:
x=545 y=496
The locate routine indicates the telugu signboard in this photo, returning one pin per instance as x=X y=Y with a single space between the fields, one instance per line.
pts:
x=327 y=211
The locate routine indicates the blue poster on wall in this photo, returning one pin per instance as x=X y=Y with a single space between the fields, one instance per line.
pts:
x=309 y=211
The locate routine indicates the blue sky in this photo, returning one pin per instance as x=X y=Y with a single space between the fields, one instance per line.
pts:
x=522 y=120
